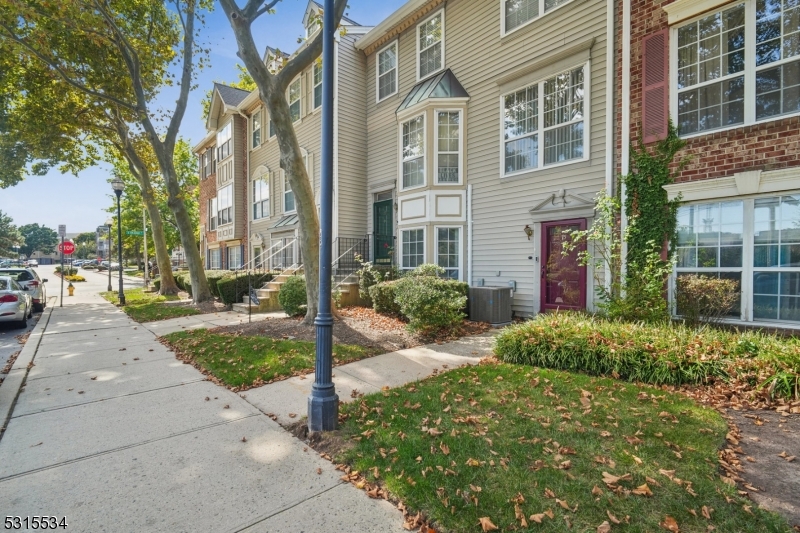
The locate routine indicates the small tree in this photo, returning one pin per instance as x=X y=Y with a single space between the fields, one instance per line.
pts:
x=10 y=237
x=38 y=239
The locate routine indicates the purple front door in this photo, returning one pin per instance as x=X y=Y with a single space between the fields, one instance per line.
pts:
x=563 y=278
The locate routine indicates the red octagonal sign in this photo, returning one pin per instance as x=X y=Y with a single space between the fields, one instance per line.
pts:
x=67 y=248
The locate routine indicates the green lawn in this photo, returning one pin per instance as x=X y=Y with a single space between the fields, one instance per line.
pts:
x=242 y=362
x=148 y=306
x=510 y=443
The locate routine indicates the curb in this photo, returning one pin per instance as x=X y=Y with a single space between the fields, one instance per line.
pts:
x=9 y=391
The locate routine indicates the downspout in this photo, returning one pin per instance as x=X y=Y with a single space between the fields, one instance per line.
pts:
x=626 y=122
x=469 y=235
x=247 y=184
x=611 y=86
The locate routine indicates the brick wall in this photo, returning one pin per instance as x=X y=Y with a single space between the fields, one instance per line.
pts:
x=766 y=146
x=208 y=190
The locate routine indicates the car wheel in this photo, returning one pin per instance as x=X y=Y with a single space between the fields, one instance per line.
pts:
x=24 y=322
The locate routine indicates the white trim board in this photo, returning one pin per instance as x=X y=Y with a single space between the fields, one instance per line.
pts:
x=739 y=184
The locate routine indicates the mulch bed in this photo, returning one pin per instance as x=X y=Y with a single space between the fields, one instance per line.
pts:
x=356 y=326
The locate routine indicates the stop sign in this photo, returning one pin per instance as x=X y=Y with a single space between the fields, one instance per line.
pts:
x=67 y=248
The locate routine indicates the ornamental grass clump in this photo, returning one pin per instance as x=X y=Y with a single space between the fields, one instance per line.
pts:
x=656 y=354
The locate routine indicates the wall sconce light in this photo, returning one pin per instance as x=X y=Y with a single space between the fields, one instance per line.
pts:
x=528 y=231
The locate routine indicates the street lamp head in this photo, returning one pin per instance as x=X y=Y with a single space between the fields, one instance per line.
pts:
x=118 y=186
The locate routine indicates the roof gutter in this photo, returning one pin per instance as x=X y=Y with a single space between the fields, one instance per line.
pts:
x=389 y=23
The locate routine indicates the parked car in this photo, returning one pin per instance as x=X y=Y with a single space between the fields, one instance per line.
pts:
x=32 y=263
x=89 y=262
x=16 y=304
x=27 y=277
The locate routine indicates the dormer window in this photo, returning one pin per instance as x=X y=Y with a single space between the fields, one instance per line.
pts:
x=314 y=25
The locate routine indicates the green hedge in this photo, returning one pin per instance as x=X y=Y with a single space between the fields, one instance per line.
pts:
x=213 y=276
x=232 y=289
x=431 y=304
x=655 y=354
x=383 y=298
x=293 y=297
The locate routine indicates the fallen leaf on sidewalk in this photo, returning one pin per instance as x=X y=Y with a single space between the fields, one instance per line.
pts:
x=94 y=378
x=244 y=439
x=292 y=415
x=38 y=444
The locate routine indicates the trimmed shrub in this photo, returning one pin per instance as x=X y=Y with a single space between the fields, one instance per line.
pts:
x=370 y=275
x=213 y=276
x=655 y=354
x=431 y=303
x=383 y=298
x=75 y=278
x=292 y=296
x=702 y=298
x=67 y=270
x=232 y=289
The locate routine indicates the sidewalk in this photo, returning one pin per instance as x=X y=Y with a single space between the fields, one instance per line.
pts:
x=111 y=431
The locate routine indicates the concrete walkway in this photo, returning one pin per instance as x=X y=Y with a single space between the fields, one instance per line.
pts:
x=107 y=428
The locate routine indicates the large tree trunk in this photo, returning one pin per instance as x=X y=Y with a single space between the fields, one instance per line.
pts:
x=292 y=164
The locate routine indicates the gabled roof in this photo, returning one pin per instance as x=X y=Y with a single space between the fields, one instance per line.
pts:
x=442 y=85
x=274 y=53
x=312 y=6
x=231 y=95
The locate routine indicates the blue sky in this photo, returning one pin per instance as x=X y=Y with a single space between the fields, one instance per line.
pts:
x=80 y=202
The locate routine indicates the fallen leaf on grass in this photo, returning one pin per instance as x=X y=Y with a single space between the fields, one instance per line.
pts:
x=597 y=491
x=670 y=524
x=487 y=525
x=605 y=527
x=613 y=518
x=642 y=490
x=445 y=448
x=706 y=512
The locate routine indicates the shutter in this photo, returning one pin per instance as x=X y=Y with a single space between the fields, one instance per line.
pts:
x=655 y=86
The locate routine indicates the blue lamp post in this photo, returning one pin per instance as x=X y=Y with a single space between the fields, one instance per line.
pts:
x=323 y=404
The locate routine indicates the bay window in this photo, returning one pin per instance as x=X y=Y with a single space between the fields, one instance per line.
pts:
x=430 y=46
x=755 y=242
x=737 y=66
x=212 y=214
x=448 y=147
x=413 y=248
x=225 y=205
x=413 y=152
x=448 y=251
x=224 y=141
x=548 y=114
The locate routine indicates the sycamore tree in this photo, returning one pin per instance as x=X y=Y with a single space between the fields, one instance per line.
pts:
x=272 y=91
x=113 y=51
x=37 y=239
x=10 y=237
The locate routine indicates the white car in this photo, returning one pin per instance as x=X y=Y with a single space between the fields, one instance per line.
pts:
x=30 y=281
x=32 y=263
x=16 y=304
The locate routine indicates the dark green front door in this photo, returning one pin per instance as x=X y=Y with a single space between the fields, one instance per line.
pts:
x=384 y=238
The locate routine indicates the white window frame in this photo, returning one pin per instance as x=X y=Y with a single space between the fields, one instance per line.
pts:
x=317 y=65
x=224 y=135
x=416 y=34
x=460 y=247
x=749 y=71
x=215 y=265
x=747 y=269
x=230 y=197
x=265 y=178
x=460 y=146
x=298 y=80
x=424 y=152
x=542 y=13
x=284 y=183
x=396 y=69
x=402 y=231
x=212 y=214
x=587 y=103
x=259 y=116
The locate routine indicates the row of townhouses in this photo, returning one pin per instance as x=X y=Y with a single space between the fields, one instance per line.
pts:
x=475 y=133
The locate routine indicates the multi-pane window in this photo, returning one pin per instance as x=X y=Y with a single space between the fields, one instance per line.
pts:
x=448 y=132
x=430 y=45
x=225 y=205
x=212 y=214
x=549 y=113
x=214 y=259
x=234 y=257
x=317 y=84
x=777 y=51
x=288 y=195
x=711 y=61
x=755 y=242
x=448 y=243
x=224 y=141
x=294 y=99
x=715 y=82
x=387 y=71
x=260 y=198
x=255 y=121
x=271 y=129
x=413 y=248
x=776 y=258
x=414 y=152
x=519 y=12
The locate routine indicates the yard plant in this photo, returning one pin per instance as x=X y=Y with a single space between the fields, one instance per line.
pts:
x=664 y=354
x=292 y=296
x=148 y=306
x=541 y=450
x=430 y=302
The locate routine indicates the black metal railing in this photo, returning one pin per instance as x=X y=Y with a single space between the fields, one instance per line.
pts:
x=348 y=252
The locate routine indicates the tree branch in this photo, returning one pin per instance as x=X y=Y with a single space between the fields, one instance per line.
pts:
x=301 y=61
x=186 y=78
x=61 y=73
x=265 y=9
